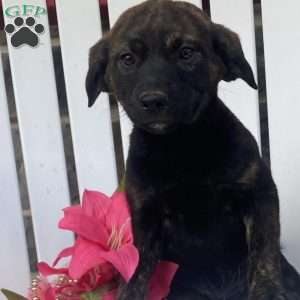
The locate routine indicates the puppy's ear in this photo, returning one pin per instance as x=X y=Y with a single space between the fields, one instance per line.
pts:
x=228 y=47
x=95 y=79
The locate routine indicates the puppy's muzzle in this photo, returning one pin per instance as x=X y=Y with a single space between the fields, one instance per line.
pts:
x=153 y=102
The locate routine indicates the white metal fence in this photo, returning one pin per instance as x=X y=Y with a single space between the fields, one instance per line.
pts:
x=36 y=100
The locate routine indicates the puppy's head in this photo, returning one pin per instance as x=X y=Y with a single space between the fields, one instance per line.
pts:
x=163 y=61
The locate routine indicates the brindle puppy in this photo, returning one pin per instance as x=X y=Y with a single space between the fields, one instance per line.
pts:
x=199 y=192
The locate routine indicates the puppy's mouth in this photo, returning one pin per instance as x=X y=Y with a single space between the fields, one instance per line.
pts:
x=158 y=127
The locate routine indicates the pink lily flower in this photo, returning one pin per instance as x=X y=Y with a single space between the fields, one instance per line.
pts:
x=103 y=248
x=103 y=227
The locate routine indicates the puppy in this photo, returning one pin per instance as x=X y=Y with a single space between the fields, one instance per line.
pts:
x=199 y=193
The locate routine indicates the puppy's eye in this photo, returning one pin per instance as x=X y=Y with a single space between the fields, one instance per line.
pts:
x=186 y=53
x=127 y=59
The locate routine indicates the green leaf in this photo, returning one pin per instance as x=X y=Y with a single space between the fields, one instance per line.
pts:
x=91 y=296
x=10 y=295
x=98 y=293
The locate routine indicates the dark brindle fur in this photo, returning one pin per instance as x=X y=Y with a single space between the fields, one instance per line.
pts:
x=199 y=192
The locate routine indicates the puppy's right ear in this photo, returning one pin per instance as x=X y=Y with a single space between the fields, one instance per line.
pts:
x=95 y=79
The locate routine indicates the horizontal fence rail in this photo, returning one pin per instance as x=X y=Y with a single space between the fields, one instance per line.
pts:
x=39 y=119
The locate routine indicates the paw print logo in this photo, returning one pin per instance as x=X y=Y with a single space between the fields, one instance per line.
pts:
x=24 y=32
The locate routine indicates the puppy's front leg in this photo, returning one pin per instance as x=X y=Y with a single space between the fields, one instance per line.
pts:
x=263 y=235
x=147 y=233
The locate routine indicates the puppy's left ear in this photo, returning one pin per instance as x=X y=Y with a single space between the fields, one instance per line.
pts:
x=95 y=80
x=228 y=47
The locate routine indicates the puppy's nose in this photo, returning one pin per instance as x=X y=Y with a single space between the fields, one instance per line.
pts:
x=154 y=101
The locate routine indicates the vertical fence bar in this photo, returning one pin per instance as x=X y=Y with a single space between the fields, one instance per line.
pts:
x=241 y=99
x=14 y=263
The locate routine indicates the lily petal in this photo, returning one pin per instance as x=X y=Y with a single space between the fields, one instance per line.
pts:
x=86 y=256
x=85 y=226
x=49 y=294
x=161 y=280
x=95 y=203
x=64 y=253
x=118 y=209
x=125 y=260
x=46 y=270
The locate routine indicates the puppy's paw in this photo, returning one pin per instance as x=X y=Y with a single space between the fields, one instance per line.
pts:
x=129 y=292
x=130 y=296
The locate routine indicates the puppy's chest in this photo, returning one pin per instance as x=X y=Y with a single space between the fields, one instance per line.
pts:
x=202 y=221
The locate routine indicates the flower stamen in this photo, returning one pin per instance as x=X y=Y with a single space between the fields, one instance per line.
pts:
x=116 y=237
